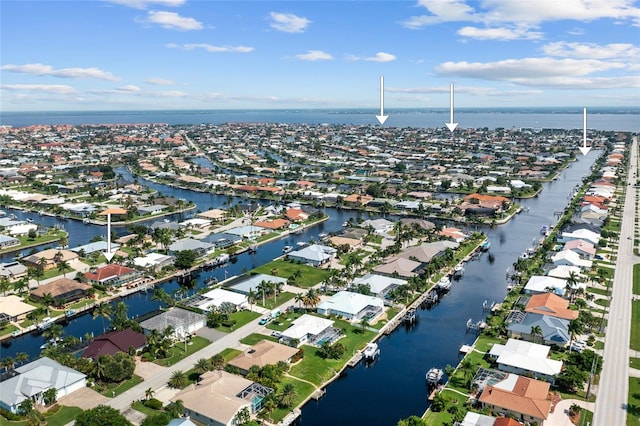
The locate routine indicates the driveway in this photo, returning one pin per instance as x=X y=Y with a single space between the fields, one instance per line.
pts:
x=85 y=398
x=560 y=415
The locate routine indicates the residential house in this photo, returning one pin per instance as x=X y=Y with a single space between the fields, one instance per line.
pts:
x=219 y=397
x=570 y=258
x=263 y=353
x=379 y=285
x=527 y=359
x=584 y=248
x=314 y=255
x=7 y=242
x=113 y=342
x=63 y=290
x=152 y=209
x=51 y=258
x=218 y=296
x=580 y=234
x=554 y=331
x=113 y=275
x=13 y=309
x=400 y=267
x=352 y=306
x=13 y=270
x=538 y=284
x=183 y=322
x=154 y=261
x=200 y=248
x=552 y=305
x=526 y=399
x=244 y=284
x=34 y=379
x=309 y=330
x=96 y=246
x=379 y=226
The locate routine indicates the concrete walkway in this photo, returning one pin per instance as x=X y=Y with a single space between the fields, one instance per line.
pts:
x=560 y=415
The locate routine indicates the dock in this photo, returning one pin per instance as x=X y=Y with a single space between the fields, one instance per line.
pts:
x=355 y=359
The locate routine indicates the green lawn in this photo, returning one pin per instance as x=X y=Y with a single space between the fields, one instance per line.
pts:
x=284 y=320
x=241 y=318
x=114 y=389
x=635 y=325
x=634 y=363
x=309 y=277
x=633 y=409
x=602 y=302
x=64 y=416
x=303 y=390
x=636 y=278
x=600 y=291
x=139 y=406
x=391 y=312
x=271 y=303
x=177 y=351
x=254 y=338
x=228 y=354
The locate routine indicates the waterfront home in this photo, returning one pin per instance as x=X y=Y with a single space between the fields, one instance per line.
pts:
x=222 y=240
x=196 y=223
x=213 y=215
x=538 y=284
x=63 y=290
x=96 y=246
x=220 y=396
x=153 y=261
x=183 y=322
x=580 y=234
x=274 y=224
x=246 y=283
x=263 y=353
x=113 y=342
x=477 y=419
x=400 y=267
x=425 y=252
x=13 y=309
x=160 y=224
x=16 y=227
x=338 y=241
x=51 y=258
x=554 y=331
x=151 y=210
x=34 y=379
x=584 y=248
x=7 y=242
x=296 y=215
x=379 y=226
x=218 y=296
x=526 y=358
x=314 y=255
x=570 y=258
x=453 y=234
x=113 y=275
x=524 y=398
x=248 y=232
x=552 y=305
x=200 y=248
x=352 y=306
x=564 y=271
x=310 y=330
x=483 y=204
x=379 y=285
x=13 y=270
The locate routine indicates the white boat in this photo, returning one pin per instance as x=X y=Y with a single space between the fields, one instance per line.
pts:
x=434 y=376
x=444 y=283
x=323 y=235
x=458 y=271
x=3 y=213
x=45 y=323
x=29 y=220
x=371 y=351
x=287 y=249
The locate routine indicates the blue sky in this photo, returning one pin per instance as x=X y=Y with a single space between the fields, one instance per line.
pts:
x=181 y=54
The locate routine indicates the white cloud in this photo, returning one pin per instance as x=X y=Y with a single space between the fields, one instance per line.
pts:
x=592 y=50
x=173 y=21
x=314 y=55
x=378 y=57
x=157 y=81
x=210 y=47
x=58 y=89
x=522 y=12
x=130 y=88
x=288 y=22
x=499 y=33
x=542 y=72
x=77 y=73
x=472 y=90
x=143 y=4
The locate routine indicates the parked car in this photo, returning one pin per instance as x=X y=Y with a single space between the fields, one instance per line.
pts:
x=276 y=334
x=264 y=320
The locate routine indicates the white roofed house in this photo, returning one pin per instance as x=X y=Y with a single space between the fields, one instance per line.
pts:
x=526 y=358
x=13 y=270
x=309 y=330
x=200 y=248
x=352 y=306
x=580 y=234
x=314 y=255
x=379 y=285
x=34 y=379
x=7 y=241
x=154 y=261
x=217 y=297
x=380 y=226
x=182 y=321
x=570 y=258
x=540 y=284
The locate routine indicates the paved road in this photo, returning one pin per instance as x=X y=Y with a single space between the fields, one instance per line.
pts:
x=614 y=385
x=124 y=400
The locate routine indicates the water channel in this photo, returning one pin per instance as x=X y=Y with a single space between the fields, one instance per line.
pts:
x=394 y=386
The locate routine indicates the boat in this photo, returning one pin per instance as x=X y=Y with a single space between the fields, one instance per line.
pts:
x=323 y=235
x=371 y=351
x=409 y=316
x=444 y=283
x=434 y=376
x=86 y=220
x=3 y=213
x=45 y=323
x=485 y=246
x=287 y=249
x=543 y=230
x=29 y=220
x=345 y=224
x=458 y=271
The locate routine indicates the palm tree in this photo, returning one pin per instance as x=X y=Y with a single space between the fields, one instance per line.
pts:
x=178 y=380
x=575 y=326
x=42 y=263
x=299 y=298
x=102 y=310
x=62 y=266
x=312 y=298
x=148 y=394
x=251 y=297
x=5 y=285
x=160 y=295
x=8 y=363
x=53 y=333
x=202 y=365
x=571 y=285
x=288 y=395
x=536 y=331
x=466 y=368
x=22 y=357
x=176 y=409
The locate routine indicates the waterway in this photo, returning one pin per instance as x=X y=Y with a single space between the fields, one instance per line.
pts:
x=394 y=386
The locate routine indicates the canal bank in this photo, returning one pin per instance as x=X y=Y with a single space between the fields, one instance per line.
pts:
x=393 y=387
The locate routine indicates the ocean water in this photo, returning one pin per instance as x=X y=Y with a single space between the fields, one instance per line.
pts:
x=610 y=119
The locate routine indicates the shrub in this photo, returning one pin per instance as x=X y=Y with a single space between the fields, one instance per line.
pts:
x=153 y=403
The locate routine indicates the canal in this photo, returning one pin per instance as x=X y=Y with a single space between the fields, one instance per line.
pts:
x=394 y=386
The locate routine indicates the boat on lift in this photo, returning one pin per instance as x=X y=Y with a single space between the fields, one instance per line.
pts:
x=371 y=351
x=434 y=376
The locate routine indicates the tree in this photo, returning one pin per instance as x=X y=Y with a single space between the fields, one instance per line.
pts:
x=22 y=357
x=288 y=396
x=185 y=259
x=202 y=366
x=53 y=333
x=414 y=420
x=176 y=409
x=102 y=415
x=103 y=310
x=5 y=285
x=120 y=317
x=575 y=326
x=148 y=394
x=50 y=396
x=25 y=407
x=536 y=331
x=63 y=266
x=178 y=380
x=162 y=236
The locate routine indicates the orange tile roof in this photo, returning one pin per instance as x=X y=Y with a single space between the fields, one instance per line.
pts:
x=111 y=270
x=528 y=397
x=113 y=210
x=552 y=305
